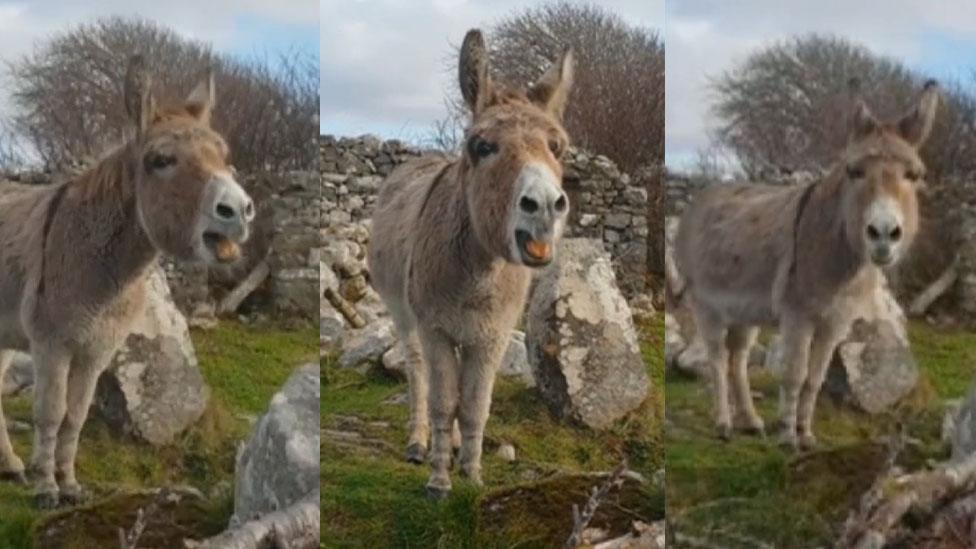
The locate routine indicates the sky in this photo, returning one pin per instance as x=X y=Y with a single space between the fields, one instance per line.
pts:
x=703 y=38
x=387 y=64
x=237 y=27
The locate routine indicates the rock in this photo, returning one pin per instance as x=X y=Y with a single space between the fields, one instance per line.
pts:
x=963 y=427
x=19 y=376
x=395 y=360
x=874 y=368
x=154 y=389
x=773 y=361
x=582 y=343
x=674 y=342
x=515 y=363
x=331 y=326
x=507 y=452
x=367 y=345
x=279 y=464
x=693 y=359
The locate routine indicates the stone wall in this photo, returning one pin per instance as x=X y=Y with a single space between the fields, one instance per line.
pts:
x=605 y=203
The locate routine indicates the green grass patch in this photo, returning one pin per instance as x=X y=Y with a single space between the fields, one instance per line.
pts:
x=244 y=365
x=371 y=496
x=748 y=491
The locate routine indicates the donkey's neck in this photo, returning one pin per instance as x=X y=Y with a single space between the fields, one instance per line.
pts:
x=98 y=217
x=824 y=259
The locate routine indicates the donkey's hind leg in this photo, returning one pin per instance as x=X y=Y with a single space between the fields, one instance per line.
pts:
x=82 y=380
x=51 y=364
x=417 y=380
x=713 y=334
x=11 y=467
x=739 y=341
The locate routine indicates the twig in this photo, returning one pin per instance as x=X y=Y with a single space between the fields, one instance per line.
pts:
x=934 y=291
x=582 y=519
x=246 y=287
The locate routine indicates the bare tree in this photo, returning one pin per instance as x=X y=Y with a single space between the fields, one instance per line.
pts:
x=617 y=103
x=784 y=108
x=69 y=99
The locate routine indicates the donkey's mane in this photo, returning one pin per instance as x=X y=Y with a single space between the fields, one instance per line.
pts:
x=112 y=175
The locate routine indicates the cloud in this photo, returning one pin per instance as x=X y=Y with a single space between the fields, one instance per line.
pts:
x=706 y=37
x=386 y=64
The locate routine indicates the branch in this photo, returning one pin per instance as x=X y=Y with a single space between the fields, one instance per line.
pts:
x=296 y=527
x=246 y=287
x=582 y=520
x=934 y=291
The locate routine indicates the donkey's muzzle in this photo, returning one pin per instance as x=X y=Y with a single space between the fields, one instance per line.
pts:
x=535 y=252
x=227 y=214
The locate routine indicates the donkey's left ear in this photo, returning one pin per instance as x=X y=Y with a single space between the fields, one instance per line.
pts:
x=916 y=126
x=137 y=94
x=552 y=90
x=201 y=100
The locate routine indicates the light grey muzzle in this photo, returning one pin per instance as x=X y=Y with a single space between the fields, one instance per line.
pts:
x=231 y=210
x=541 y=208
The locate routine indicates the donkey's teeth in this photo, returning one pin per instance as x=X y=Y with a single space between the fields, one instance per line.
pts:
x=227 y=250
x=537 y=249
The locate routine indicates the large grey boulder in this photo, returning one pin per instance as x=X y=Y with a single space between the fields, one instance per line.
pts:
x=581 y=339
x=962 y=426
x=364 y=347
x=19 y=375
x=154 y=389
x=279 y=464
x=873 y=367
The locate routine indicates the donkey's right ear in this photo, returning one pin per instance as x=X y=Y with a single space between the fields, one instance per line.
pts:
x=139 y=101
x=473 y=71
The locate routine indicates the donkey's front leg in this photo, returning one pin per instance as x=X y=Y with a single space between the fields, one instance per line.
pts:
x=825 y=341
x=418 y=382
x=82 y=380
x=11 y=467
x=443 y=368
x=797 y=336
x=51 y=363
x=479 y=362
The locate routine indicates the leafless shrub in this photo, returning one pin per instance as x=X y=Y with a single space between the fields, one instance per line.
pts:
x=68 y=93
x=617 y=103
x=784 y=108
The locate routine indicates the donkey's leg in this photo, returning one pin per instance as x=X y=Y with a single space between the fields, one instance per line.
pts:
x=739 y=341
x=479 y=363
x=713 y=333
x=443 y=370
x=82 y=380
x=797 y=335
x=825 y=340
x=11 y=467
x=51 y=364
x=417 y=379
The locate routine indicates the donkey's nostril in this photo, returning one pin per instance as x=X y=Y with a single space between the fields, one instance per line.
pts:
x=895 y=233
x=249 y=210
x=873 y=232
x=224 y=211
x=561 y=203
x=528 y=205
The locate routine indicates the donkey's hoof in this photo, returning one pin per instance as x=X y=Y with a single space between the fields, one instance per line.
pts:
x=416 y=453
x=788 y=441
x=16 y=477
x=724 y=432
x=74 y=495
x=437 y=493
x=755 y=431
x=807 y=442
x=46 y=500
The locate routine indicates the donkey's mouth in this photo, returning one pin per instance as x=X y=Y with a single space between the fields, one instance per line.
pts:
x=222 y=248
x=535 y=253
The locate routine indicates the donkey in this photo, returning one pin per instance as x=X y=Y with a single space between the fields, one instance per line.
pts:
x=74 y=262
x=806 y=258
x=453 y=249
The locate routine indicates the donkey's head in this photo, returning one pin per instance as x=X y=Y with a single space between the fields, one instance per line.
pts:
x=187 y=200
x=884 y=170
x=512 y=175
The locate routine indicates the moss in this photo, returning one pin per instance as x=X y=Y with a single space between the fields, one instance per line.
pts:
x=749 y=491
x=370 y=496
x=244 y=366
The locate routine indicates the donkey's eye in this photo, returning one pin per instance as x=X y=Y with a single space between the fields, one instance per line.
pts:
x=479 y=148
x=155 y=161
x=855 y=172
x=556 y=147
x=913 y=175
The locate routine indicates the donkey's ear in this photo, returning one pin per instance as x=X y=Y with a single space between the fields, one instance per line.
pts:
x=552 y=90
x=862 y=121
x=473 y=71
x=140 y=104
x=916 y=126
x=201 y=100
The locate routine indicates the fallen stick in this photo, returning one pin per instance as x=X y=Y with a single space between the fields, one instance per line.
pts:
x=582 y=519
x=935 y=290
x=295 y=527
x=231 y=301
x=347 y=309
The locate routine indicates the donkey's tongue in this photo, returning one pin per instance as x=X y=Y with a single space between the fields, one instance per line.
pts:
x=227 y=250
x=537 y=249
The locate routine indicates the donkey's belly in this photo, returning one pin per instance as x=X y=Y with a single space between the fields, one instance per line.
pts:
x=11 y=333
x=738 y=307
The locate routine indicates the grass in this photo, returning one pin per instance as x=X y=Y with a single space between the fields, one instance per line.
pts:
x=244 y=365
x=371 y=496
x=749 y=492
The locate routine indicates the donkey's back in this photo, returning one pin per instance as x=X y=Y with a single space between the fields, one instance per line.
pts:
x=732 y=244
